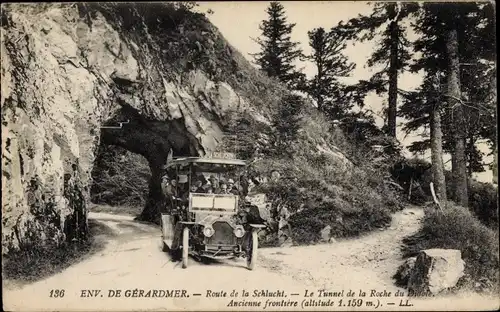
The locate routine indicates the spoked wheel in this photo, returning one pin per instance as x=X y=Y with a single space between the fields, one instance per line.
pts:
x=253 y=245
x=185 y=247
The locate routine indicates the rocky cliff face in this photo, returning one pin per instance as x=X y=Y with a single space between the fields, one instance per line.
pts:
x=77 y=69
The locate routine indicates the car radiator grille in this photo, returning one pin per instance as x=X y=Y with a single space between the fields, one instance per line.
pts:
x=223 y=234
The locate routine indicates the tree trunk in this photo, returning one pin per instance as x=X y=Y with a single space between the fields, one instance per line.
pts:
x=319 y=85
x=393 y=80
x=438 y=176
x=459 y=161
x=470 y=154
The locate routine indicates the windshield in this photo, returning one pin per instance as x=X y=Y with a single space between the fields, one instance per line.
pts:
x=215 y=178
x=208 y=178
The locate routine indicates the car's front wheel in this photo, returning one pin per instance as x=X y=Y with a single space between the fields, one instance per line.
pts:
x=253 y=246
x=185 y=247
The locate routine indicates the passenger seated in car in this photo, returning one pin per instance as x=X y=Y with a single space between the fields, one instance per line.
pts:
x=215 y=183
x=199 y=188
x=207 y=185
x=222 y=188
x=233 y=189
x=191 y=190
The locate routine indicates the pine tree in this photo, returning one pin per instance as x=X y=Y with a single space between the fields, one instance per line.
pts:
x=477 y=75
x=392 y=51
x=278 y=51
x=286 y=123
x=329 y=93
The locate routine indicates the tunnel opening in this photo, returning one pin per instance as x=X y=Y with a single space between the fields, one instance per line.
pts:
x=120 y=178
x=140 y=146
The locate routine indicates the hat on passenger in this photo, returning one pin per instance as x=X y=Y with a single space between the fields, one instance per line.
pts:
x=230 y=181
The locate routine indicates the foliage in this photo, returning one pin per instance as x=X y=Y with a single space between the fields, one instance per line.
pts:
x=322 y=186
x=483 y=202
x=286 y=123
x=456 y=228
x=414 y=174
x=278 y=52
x=247 y=137
x=331 y=96
x=119 y=178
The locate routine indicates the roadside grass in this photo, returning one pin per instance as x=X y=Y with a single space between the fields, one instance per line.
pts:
x=26 y=267
x=457 y=228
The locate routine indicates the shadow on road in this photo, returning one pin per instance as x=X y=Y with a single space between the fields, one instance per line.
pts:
x=99 y=228
x=29 y=266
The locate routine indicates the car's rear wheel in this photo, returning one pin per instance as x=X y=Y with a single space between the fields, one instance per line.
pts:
x=253 y=245
x=185 y=247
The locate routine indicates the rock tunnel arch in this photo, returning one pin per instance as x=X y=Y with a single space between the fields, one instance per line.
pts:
x=154 y=140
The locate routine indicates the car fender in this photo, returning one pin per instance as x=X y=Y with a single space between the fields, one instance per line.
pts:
x=257 y=226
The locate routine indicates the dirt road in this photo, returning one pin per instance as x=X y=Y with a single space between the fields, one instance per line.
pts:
x=133 y=260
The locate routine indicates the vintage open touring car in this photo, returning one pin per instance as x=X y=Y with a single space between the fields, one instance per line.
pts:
x=213 y=222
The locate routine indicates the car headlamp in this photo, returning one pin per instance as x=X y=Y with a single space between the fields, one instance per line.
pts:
x=239 y=231
x=208 y=231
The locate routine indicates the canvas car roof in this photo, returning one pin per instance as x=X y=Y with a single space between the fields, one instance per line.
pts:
x=192 y=160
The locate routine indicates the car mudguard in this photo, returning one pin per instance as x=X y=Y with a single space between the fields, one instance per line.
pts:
x=257 y=226
x=168 y=229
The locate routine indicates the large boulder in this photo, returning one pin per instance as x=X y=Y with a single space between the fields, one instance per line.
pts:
x=435 y=270
x=404 y=272
x=326 y=234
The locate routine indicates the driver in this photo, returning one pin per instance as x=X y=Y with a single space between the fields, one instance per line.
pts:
x=171 y=190
x=185 y=196
x=165 y=184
